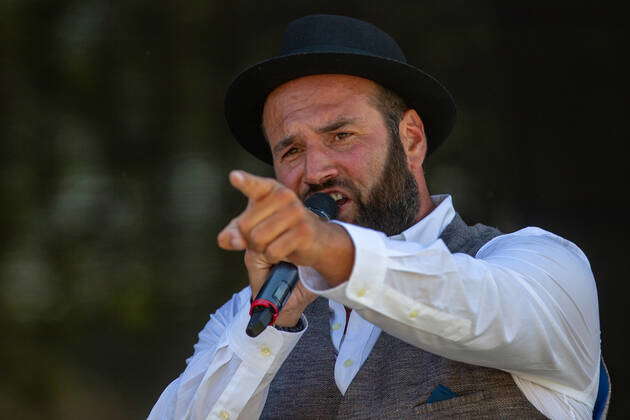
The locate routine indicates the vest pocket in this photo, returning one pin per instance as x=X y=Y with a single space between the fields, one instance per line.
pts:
x=454 y=405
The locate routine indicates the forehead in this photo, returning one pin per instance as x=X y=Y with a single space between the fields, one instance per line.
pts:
x=315 y=99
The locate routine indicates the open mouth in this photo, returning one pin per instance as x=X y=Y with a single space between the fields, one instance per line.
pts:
x=339 y=198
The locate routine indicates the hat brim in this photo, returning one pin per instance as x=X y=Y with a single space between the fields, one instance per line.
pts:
x=247 y=94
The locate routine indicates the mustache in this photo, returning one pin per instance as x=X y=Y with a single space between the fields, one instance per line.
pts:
x=333 y=182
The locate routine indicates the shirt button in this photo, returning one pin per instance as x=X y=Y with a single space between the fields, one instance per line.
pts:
x=348 y=363
x=224 y=415
x=336 y=326
x=413 y=314
x=265 y=351
x=361 y=292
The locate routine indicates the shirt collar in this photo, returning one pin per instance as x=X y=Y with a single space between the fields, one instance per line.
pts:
x=430 y=228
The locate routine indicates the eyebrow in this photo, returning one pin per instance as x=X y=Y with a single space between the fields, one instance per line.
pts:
x=283 y=143
x=335 y=125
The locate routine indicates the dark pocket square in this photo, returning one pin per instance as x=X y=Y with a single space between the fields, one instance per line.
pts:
x=441 y=393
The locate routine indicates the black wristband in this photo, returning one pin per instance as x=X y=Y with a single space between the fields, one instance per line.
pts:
x=296 y=328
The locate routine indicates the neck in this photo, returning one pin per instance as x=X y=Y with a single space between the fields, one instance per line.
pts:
x=426 y=204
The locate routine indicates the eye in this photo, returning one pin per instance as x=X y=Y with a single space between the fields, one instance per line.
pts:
x=342 y=135
x=289 y=152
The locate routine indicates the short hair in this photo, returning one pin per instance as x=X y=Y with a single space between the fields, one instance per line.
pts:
x=391 y=106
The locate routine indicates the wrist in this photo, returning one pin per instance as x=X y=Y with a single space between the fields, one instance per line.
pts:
x=336 y=260
x=299 y=326
x=288 y=318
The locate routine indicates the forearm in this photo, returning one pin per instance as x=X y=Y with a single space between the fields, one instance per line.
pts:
x=229 y=371
x=507 y=312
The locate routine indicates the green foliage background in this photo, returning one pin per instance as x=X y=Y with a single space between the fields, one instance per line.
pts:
x=114 y=157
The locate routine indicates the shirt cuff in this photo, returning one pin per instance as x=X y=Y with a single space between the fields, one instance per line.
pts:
x=368 y=271
x=268 y=350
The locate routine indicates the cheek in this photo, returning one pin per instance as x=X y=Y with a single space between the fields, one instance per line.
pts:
x=287 y=176
x=363 y=167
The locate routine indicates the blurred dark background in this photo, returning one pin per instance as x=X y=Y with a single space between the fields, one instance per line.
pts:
x=114 y=157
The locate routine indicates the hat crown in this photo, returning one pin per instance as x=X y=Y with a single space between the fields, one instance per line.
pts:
x=331 y=44
x=334 y=33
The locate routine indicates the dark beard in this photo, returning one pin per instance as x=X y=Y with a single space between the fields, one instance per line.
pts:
x=393 y=203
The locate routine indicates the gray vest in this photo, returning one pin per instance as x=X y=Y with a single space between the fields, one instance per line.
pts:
x=397 y=378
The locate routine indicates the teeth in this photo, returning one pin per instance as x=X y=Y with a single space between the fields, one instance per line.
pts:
x=336 y=196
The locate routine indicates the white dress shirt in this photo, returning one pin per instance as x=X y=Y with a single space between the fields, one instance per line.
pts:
x=526 y=304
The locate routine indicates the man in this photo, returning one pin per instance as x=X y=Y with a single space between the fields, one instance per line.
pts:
x=402 y=311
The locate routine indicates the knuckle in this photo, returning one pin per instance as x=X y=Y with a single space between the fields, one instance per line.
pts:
x=255 y=237
x=297 y=211
x=269 y=182
x=265 y=185
x=257 y=246
x=285 y=195
x=272 y=254
x=240 y=223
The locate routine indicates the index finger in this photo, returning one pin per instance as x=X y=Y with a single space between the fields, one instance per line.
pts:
x=254 y=187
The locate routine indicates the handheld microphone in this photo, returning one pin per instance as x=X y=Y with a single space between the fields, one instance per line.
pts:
x=283 y=276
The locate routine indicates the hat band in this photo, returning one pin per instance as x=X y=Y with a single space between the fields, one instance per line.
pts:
x=324 y=49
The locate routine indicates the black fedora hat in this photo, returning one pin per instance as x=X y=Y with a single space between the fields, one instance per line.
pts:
x=329 y=44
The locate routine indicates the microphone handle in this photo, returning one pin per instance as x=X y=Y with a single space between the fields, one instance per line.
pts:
x=283 y=276
x=272 y=296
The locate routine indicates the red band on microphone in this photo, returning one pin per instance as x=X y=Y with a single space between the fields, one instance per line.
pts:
x=267 y=304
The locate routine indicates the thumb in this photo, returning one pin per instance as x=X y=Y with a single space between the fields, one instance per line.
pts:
x=230 y=237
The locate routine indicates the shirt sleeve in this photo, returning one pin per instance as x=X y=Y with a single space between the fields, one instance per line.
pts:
x=229 y=373
x=526 y=304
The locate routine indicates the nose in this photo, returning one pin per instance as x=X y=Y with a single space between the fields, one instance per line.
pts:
x=319 y=166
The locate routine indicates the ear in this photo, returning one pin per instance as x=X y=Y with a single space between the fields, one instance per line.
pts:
x=413 y=138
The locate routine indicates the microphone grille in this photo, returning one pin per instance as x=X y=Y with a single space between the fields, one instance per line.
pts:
x=323 y=205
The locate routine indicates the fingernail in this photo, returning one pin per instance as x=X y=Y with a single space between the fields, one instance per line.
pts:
x=236 y=176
